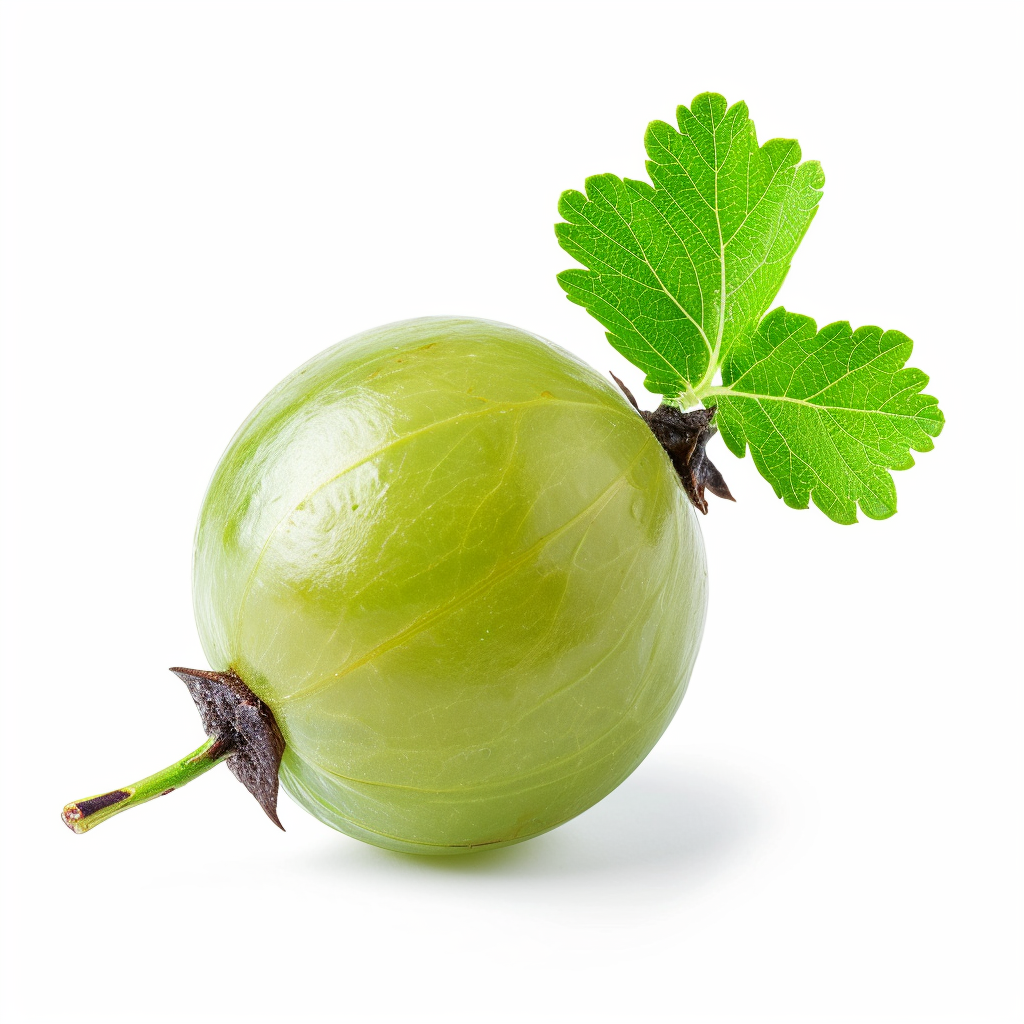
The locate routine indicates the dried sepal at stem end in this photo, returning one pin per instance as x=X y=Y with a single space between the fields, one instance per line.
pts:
x=231 y=712
x=685 y=436
x=240 y=730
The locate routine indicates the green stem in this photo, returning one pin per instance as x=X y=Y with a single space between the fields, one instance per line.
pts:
x=688 y=399
x=82 y=815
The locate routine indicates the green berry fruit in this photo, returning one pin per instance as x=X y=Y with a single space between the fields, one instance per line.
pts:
x=456 y=573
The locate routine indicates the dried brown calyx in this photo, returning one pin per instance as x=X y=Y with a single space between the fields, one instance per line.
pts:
x=233 y=714
x=684 y=436
x=240 y=730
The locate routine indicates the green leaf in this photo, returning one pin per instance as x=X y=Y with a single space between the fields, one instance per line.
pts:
x=827 y=413
x=681 y=272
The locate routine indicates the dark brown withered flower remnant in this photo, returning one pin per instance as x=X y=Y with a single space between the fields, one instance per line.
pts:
x=684 y=436
x=241 y=730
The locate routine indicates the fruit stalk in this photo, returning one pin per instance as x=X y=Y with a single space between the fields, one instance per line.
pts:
x=83 y=815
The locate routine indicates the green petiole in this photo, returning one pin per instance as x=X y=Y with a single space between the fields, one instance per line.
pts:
x=83 y=815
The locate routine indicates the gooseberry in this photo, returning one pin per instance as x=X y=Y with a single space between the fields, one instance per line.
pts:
x=449 y=586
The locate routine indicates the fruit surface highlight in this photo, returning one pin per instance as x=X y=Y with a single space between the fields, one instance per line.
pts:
x=461 y=572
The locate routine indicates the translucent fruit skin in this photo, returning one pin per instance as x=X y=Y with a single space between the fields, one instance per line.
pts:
x=463 y=575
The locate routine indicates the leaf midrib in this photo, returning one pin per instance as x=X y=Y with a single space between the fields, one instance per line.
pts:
x=725 y=391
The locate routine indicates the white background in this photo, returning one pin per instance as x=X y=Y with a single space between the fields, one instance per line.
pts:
x=197 y=198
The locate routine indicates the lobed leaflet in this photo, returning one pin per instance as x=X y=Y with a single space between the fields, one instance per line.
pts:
x=681 y=271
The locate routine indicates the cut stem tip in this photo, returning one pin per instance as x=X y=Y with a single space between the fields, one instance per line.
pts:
x=83 y=815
